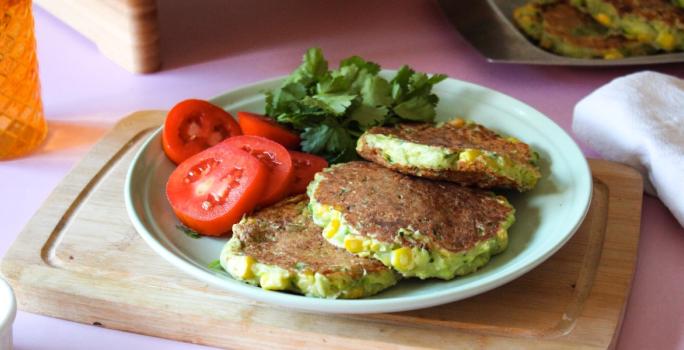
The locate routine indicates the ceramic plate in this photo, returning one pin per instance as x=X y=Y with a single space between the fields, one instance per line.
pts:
x=546 y=217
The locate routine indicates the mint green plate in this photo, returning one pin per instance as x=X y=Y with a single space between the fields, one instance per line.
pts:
x=546 y=217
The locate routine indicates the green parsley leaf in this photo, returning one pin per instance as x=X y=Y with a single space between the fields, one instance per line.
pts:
x=400 y=82
x=285 y=100
x=215 y=266
x=189 y=232
x=299 y=266
x=376 y=91
x=331 y=84
x=315 y=138
x=418 y=108
x=368 y=116
x=332 y=108
x=370 y=67
x=313 y=67
x=436 y=79
x=340 y=141
x=335 y=104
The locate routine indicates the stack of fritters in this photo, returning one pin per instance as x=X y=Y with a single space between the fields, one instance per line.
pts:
x=609 y=29
x=407 y=213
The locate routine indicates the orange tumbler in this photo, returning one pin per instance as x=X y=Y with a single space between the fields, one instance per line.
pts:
x=22 y=124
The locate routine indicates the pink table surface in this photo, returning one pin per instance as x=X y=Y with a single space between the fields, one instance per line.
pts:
x=227 y=44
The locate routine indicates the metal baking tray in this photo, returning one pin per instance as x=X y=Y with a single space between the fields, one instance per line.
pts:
x=488 y=26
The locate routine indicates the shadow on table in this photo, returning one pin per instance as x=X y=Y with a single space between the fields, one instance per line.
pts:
x=193 y=32
x=71 y=136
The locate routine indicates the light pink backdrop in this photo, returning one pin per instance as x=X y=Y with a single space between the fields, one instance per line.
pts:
x=225 y=44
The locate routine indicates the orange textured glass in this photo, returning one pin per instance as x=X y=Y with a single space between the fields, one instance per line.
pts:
x=22 y=125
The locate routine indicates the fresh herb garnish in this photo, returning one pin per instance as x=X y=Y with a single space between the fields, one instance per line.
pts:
x=189 y=232
x=332 y=108
x=215 y=266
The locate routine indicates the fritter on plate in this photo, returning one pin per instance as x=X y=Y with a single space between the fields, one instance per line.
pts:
x=280 y=248
x=419 y=227
x=463 y=152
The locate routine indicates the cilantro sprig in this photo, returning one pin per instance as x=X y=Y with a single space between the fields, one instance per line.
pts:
x=215 y=265
x=332 y=108
x=188 y=231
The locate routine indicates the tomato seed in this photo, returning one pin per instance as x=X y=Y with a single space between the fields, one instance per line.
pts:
x=200 y=169
x=301 y=163
x=268 y=158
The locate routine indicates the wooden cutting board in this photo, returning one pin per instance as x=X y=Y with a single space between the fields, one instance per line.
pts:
x=80 y=259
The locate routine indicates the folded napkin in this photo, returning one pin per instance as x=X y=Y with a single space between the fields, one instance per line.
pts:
x=639 y=120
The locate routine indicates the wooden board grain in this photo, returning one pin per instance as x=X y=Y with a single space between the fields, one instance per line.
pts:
x=126 y=31
x=80 y=259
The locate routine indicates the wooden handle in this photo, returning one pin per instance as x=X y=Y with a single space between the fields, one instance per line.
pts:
x=126 y=31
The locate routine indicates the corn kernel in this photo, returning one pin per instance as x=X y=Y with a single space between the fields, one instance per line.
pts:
x=506 y=162
x=274 y=280
x=468 y=155
x=612 y=55
x=603 y=19
x=529 y=8
x=458 y=122
x=525 y=21
x=502 y=232
x=644 y=37
x=354 y=293
x=353 y=244
x=307 y=277
x=332 y=228
x=666 y=41
x=502 y=236
x=402 y=258
x=519 y=13
x=241 y=266
x=320 y=210
x=512 y=139
x=367 y=244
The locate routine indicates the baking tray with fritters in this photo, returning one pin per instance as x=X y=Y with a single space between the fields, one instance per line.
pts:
x=80 y=259
x=488 y=26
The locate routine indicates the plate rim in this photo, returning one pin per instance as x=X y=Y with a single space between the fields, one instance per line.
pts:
x=355 y=306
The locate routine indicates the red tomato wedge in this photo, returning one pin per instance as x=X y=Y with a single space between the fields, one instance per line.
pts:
x=305 y=167
x=193 y=126
x=212 y=190
x=276 y=159
x=259 y=125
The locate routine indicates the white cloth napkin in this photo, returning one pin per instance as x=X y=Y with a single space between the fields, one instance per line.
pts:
x=638 y=120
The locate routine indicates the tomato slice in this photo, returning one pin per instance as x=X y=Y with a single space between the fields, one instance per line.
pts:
x=193 y=126
x=305 y=167
x=212 y=190
x=259 y=125
x=276 y=159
